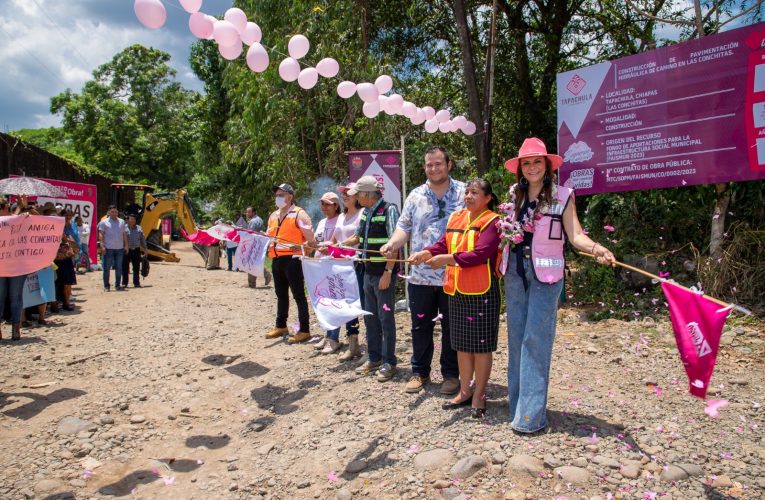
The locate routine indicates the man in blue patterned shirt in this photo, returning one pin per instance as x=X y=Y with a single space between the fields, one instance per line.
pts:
x=423 y=222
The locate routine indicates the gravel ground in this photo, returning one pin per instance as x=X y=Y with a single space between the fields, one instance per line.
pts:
x=185 y=398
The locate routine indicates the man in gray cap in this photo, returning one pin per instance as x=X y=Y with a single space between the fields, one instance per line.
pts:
x=375 y=229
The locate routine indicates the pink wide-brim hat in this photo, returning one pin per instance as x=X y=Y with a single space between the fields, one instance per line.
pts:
x=533 y=147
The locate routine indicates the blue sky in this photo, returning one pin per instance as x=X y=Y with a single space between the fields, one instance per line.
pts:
x=50 y=45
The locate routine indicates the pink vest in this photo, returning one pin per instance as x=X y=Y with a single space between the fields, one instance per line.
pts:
x=549 y=238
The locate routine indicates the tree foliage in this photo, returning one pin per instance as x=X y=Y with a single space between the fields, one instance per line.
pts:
x=133 y=120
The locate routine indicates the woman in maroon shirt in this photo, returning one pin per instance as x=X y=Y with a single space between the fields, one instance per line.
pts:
x=473 y=288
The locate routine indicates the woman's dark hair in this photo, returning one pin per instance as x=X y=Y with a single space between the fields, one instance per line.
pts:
x=484 y=186
x=545 y=196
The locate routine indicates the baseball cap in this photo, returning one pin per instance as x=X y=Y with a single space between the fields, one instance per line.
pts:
x=344 y=189
x=330 y=198
x=285 y=187
x=367 y=184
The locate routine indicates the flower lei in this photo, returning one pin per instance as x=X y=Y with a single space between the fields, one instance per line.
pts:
x=511 y=230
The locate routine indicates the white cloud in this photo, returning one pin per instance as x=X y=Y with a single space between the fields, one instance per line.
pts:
x=51 y=45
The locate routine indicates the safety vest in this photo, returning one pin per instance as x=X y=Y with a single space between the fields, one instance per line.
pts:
x=375 y=238
x=287 y=231
x=461 y=236
x=549 y=239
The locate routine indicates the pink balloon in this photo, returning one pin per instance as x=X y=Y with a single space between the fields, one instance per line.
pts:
x=237 y=17
x=395 y=103
x=191 y=6
x=443 y=115
x=383 y=100
x=225 y=34
x=431 y=126
x=200 y=25
x=430 y=113
x=251 y=34
x=460 y=121
x=231 y=52
x=308 y=77
x=151 y=13
x=346 y=89
x=445 y=127
x=408 y=109
x=419 y=117
x=453 y=127
x=384 y=83
x=298 y=46
x=257 y=58
x=469 y=128
x=328 y=67
x=212 y=20
x=289 y=69
x=371 y=109
x=367 y=92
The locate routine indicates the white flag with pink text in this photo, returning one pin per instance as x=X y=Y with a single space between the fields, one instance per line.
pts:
x=334 y=291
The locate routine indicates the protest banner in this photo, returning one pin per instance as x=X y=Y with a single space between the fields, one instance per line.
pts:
x=684 y=114
x=39 y=287
x=384 y=165
x=250 y=255
x=81 y=199
x=28 y=243
x=334 y=291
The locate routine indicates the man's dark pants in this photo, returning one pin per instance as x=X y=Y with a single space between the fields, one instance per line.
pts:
x=288 y=276
x=425 y=302
x=132 y=258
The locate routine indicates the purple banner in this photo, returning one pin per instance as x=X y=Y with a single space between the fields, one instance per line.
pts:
x=383 y=165
x=691 y=113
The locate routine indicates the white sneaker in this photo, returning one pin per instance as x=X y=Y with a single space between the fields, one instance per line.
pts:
x=320 y=344
x=331 y=347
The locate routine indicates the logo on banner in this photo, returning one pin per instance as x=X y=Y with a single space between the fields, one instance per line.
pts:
x=699 y=341
x=332 y=286
x=576 y=84
x=581 y=179
x=357 y=162
x=390 y=162
x=577 y=153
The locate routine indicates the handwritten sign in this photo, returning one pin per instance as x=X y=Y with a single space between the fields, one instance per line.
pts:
x=28 y=243
x=39 y=287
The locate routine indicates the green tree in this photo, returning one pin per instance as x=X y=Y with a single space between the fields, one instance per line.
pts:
x=53 y=140
x=133 y=120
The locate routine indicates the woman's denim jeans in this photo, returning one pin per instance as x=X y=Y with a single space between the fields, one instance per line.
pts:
x=352 y=327
x=13 y=288
x=531 y=317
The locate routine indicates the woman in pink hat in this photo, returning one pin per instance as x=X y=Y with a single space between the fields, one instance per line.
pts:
x=536 y=223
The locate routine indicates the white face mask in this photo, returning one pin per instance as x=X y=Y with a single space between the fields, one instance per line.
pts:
x=281 y=202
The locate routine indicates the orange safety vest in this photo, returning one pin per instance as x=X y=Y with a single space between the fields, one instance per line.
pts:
x=287 y=231
x=461 y=236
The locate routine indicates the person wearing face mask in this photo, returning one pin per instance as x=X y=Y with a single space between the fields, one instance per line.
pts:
x=291 y=228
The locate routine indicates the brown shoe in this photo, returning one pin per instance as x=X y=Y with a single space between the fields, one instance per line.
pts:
x=416 y=384
x=277 y=332
x=450 y=386
x=299 y=337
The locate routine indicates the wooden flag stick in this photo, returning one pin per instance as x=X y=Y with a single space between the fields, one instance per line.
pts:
x=661 y=280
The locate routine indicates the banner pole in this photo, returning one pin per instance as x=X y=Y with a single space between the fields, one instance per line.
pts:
x=403 y=197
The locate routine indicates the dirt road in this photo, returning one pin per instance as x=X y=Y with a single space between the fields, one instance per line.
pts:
x=182 y=397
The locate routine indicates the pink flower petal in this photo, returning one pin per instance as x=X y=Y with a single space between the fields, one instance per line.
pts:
x=610 y=229
x=386 y=307
x=169 y=480
x=331 y=476
x=713 y=405
x=420 y=316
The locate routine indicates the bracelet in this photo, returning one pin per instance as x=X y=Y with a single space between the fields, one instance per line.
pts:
x=593 y=248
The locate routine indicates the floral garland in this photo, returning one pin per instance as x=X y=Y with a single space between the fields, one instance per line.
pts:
x=510 y=230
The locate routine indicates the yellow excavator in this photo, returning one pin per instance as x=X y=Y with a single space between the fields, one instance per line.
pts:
x=149 y=208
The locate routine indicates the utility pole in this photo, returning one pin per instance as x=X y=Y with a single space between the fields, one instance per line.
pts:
x=488 y=87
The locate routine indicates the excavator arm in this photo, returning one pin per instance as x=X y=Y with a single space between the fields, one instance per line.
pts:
x=156 y=205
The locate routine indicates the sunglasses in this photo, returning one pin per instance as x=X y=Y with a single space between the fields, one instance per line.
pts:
x=441 y=207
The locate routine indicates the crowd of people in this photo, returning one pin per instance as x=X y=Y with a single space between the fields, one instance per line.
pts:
x=122 y=246
x=463 y=251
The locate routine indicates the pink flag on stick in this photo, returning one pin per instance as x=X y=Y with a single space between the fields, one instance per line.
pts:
x=698 y=324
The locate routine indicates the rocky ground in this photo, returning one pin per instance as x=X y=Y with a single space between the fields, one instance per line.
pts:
x=181 y=397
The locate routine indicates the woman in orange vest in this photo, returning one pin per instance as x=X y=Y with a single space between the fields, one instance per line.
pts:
x=469 y=250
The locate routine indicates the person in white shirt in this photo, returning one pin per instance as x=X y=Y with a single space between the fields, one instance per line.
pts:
x=83 y=229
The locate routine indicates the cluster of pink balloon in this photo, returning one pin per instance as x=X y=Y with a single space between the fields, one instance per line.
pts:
x=375 y=101
x=234 y=31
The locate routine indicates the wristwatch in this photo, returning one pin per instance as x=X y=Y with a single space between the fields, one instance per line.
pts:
x=389 y=271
